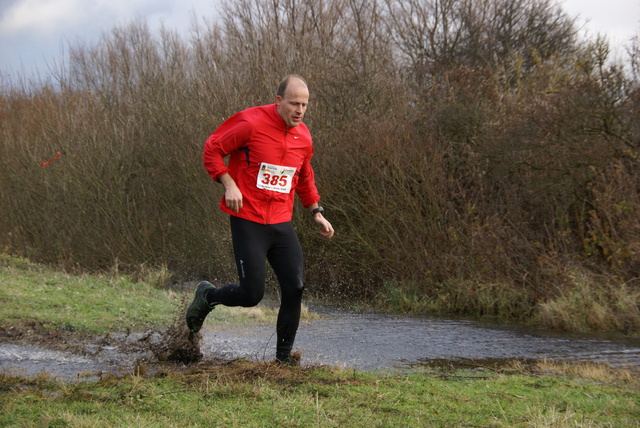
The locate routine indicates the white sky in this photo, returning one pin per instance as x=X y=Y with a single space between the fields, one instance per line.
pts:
x=618 y=19
x=34 y=33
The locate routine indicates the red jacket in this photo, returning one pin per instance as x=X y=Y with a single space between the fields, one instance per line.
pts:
x=263 y=154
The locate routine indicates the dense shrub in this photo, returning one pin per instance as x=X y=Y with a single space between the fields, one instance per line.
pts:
x=467 y=152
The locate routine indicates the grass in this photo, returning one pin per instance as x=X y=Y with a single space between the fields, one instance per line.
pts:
x=470 y=297
x=88 y=304
x=32 y=294
x=587 y=305
x=246 y=393
x=242 y=393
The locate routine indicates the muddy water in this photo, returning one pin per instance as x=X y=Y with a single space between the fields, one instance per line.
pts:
x=32 y=361
x=356 y=340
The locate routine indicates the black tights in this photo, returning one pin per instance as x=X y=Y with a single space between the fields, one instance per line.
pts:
x=252 y=244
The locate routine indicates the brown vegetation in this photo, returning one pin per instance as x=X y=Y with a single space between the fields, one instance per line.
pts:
x=476 y=155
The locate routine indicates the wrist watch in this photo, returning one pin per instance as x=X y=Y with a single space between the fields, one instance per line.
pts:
x=317 y=210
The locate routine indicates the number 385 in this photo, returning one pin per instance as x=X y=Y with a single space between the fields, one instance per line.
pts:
x=274 y=180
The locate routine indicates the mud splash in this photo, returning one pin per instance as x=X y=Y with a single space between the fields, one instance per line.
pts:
x=117 y=354
x=178 y=345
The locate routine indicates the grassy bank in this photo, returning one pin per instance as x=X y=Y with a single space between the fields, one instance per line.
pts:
x=587 y=303
x=36 y=297
x=244 y=393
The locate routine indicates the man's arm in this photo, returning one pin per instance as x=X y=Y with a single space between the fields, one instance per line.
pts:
x=232 y=134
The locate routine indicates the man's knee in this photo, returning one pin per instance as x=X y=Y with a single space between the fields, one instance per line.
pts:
x=252 y=298
x=292 y=289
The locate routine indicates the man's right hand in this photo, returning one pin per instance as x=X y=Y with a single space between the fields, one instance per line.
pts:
x=232 y=194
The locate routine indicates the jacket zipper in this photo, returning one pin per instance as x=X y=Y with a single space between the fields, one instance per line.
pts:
x=284 y=152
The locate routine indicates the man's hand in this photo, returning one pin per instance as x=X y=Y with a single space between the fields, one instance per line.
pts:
x=232 y=194
x=323 y=225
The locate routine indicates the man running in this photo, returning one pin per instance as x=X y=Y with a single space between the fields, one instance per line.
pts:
x=269 y=151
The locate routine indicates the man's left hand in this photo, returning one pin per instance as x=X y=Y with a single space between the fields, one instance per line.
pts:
x=323 y=225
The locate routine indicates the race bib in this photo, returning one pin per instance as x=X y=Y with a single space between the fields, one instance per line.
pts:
x=275 y=177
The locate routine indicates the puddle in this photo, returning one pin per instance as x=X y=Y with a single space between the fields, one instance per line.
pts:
x=380 y=341
x=31 y=361
x=362 y=341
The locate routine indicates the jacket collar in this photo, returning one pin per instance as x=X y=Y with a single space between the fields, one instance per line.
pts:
x=278 y=120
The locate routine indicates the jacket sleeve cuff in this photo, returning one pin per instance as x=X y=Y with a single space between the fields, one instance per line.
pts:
x=220 y=174
x=308 y=202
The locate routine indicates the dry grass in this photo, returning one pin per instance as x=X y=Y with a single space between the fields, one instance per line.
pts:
x=590 y=303
x=600 y=372
x=265 y=314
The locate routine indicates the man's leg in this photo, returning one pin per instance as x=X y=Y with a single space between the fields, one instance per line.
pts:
x=286 y=259
x=251 y=242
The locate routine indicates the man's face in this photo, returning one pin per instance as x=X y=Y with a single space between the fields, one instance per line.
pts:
x=293 y=105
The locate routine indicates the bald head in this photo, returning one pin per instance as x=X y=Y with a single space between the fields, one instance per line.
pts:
x=292 y=100
x=282 y=87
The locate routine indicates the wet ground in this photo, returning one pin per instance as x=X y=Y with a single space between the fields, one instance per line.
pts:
x=348 y=339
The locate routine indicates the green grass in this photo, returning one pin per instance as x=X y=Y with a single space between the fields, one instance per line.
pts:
x=244 y=393
x=97 y=304
x=261 y=394
x=90 y=304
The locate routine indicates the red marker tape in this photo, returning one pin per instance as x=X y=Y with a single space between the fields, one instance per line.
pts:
x=51 y=160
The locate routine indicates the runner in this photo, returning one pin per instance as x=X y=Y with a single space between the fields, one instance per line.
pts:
x=269 y=151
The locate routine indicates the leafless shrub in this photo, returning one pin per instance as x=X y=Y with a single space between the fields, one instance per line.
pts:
x=462 y=147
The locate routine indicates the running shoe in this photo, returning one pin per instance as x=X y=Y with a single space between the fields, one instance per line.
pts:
x=199 y=308
x=292 y=360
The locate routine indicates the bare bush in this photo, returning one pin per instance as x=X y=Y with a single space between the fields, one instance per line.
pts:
x=467 y=151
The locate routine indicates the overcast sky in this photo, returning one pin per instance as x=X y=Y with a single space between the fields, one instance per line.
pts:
x=34 y=33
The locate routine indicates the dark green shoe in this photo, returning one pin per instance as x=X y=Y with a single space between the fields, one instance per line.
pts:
x=199 y=308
